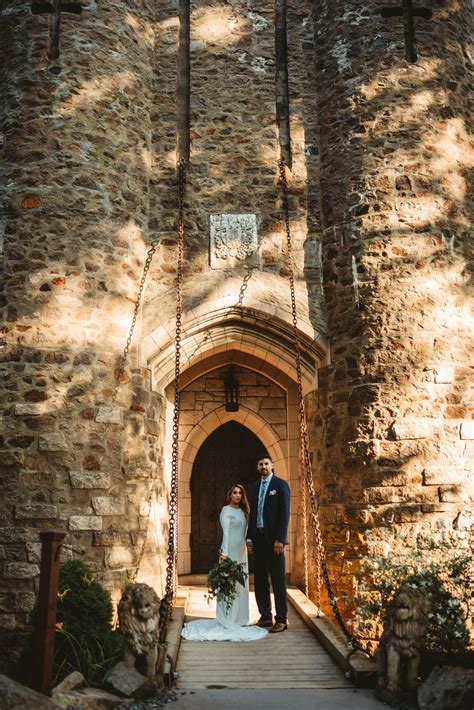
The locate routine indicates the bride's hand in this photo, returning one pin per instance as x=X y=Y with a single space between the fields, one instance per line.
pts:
x=223 y=557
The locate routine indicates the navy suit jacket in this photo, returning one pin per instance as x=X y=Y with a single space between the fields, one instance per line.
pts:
x=276 y=511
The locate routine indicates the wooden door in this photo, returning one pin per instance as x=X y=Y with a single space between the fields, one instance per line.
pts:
x=228 y=456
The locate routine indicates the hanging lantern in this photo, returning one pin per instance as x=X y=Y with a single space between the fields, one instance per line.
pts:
x=231 y=388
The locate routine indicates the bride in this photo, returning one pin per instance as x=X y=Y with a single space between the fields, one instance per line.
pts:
x=230 y=624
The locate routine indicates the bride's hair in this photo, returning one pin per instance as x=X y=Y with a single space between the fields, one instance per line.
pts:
x=244 y=503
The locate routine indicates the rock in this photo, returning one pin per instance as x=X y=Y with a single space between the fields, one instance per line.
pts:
x=89 y=699
x=108 y=415
x=85 y=522
x=411 y=429
x=447 y=688
x=71 y=682
x=20 y=570
x=125 y=680
x=89 y=479
x=467 y=429
x=14 y=696
x=108 y=505
x=52 y=442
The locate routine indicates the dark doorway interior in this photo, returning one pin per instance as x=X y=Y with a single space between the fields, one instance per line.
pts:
x=228 y=456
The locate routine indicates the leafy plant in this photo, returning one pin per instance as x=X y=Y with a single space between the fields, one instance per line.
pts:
x=446 y=583
x=222 y=580
x=85 y=640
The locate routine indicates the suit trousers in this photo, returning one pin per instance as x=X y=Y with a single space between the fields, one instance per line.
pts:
x=269 y=566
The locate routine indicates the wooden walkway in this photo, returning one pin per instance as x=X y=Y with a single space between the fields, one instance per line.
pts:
x=292 y=659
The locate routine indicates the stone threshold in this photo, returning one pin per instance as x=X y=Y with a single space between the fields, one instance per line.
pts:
x=358 y=667
x=174 y=635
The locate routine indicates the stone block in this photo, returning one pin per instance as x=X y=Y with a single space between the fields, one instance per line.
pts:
x=17 y=601
x=462 y=521
x=20 y=570
x=32 y=409
x=85 y=522
x=447 y=688
x=107 y=537
x=108 y=505
x=7 y=623
x=71 y=682
x=453 y=494
x=87 y=699
x=124 y=680
x=18 y=535
x=411 y=429
x=466 y=430
x=89 y=479
x=387 y=494
x=408 y=513
x=3 y=554
x=439 y=475
x=443 y=375
x=361 y=397
x=33 y=550
x=119 y=558
x=15 y=695
x=12 y=458
x=36 y=510
x=108 y=415
x=52 y=442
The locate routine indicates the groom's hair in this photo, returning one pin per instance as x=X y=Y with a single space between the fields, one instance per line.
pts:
x=265 y=456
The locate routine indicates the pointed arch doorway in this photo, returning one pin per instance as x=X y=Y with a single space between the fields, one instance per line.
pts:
x=228 y=456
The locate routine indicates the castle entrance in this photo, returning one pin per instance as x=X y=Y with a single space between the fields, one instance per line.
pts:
x=228 y=456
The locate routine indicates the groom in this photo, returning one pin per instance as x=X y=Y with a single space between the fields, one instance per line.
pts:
x=266 y=538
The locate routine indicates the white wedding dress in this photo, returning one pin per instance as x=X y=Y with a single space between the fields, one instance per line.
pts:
x=229 y=624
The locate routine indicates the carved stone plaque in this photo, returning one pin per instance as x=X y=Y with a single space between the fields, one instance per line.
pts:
x=233 y=240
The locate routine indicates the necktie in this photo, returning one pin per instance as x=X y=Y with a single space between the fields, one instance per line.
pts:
x=261 y=498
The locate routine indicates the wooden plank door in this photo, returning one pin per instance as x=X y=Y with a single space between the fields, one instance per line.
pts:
x=228 y=456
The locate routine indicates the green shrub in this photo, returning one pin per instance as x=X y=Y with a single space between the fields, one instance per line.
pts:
x=446 y=583
x=85 y=640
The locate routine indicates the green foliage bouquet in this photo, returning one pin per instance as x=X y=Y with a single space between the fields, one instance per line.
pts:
x=223 y=578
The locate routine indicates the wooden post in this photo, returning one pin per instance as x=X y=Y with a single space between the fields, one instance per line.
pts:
x=47 y=601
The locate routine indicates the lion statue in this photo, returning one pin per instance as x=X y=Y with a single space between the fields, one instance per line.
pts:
x=139 y=621
x=398 y=655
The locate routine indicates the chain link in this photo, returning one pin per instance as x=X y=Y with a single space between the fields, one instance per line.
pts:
x=305 y=543
x=171 y=557
x=321 y=566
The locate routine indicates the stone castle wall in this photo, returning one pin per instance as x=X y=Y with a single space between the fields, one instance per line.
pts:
x=77 y=133
x=392 y=430
x=377 y=192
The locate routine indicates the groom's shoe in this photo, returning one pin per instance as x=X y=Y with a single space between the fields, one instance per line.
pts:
x=264 y=623
x=278 y=627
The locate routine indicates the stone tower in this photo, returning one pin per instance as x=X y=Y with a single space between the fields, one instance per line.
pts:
x=377 y=142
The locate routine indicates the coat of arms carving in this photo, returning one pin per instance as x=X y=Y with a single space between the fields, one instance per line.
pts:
x=233 y=240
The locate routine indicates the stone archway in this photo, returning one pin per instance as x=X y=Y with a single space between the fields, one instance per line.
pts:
x=264 y=347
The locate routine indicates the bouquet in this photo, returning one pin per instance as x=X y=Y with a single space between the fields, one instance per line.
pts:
x=223 y=578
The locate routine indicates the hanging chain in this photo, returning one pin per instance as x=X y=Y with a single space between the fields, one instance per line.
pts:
x=321 y=567
x=305 y=544
x=171 y=557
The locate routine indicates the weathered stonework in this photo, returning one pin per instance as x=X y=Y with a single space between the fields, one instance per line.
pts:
x=393 y=407
x=379 y=226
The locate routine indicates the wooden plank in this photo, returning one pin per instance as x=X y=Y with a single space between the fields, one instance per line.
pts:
x=288 y=684
x=293 y=660
x=361 y=668
x=173 y=638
